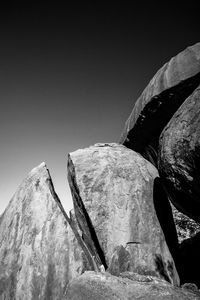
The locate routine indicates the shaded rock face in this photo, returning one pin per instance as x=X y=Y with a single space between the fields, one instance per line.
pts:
x=163 y=127
x=189 y=255
x=179 y=156
x=166 y=218
x=115 y=202
x=167 y=90
x=100 y=286
x=38 y=251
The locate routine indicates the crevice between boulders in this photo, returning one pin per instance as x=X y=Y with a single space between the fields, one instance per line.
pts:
x=84 y=222
x=69 y=220
x=165 y=217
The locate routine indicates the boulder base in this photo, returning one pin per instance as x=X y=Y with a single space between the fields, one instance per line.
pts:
x=101 y=286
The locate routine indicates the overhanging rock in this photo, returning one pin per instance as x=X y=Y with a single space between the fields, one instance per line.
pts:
x=164 y=94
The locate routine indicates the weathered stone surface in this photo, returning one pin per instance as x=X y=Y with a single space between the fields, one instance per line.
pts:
x=113 y=199
x=38 y=251
x=167 y=90
x=192 y=287
x=179 y=157
x=101 y=286
x=185 y=226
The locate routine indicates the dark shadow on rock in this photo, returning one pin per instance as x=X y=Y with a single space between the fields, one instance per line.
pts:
x=190 y=262
x=85 y=224
x=186 y=202
x=164 y=214
x=157 y=113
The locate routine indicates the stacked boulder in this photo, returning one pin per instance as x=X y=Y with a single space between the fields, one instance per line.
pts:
x=120 y=242
x=163 y=127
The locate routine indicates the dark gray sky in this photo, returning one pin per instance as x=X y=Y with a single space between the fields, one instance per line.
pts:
x=70 y=75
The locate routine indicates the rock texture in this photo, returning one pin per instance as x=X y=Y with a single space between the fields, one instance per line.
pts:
x=167 y=90
x=38 y=251
x=179 y=156
x=112 y=188
x=185 y=226
x=101 y=286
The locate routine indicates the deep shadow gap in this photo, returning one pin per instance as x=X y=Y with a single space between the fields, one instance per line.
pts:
x=157 y=113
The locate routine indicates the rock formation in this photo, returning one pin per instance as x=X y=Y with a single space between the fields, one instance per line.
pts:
x=179 y=156
x=164 y=128
x=167 y=90
x=122 y=226
x=115 y=205
x=38 y=250
x=100 y=286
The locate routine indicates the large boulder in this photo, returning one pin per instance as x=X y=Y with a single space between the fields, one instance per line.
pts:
x=39 y=254
x=179 y=157
x=112 y=188
x=101 y=286
x=164 y=94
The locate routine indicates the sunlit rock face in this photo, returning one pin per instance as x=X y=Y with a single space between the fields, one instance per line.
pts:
x=164 y=94
x=100 y=286
x=179 y=156
x=38 y=251
x=112 y=189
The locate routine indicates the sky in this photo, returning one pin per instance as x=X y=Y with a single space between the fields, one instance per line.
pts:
x=70 y=75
